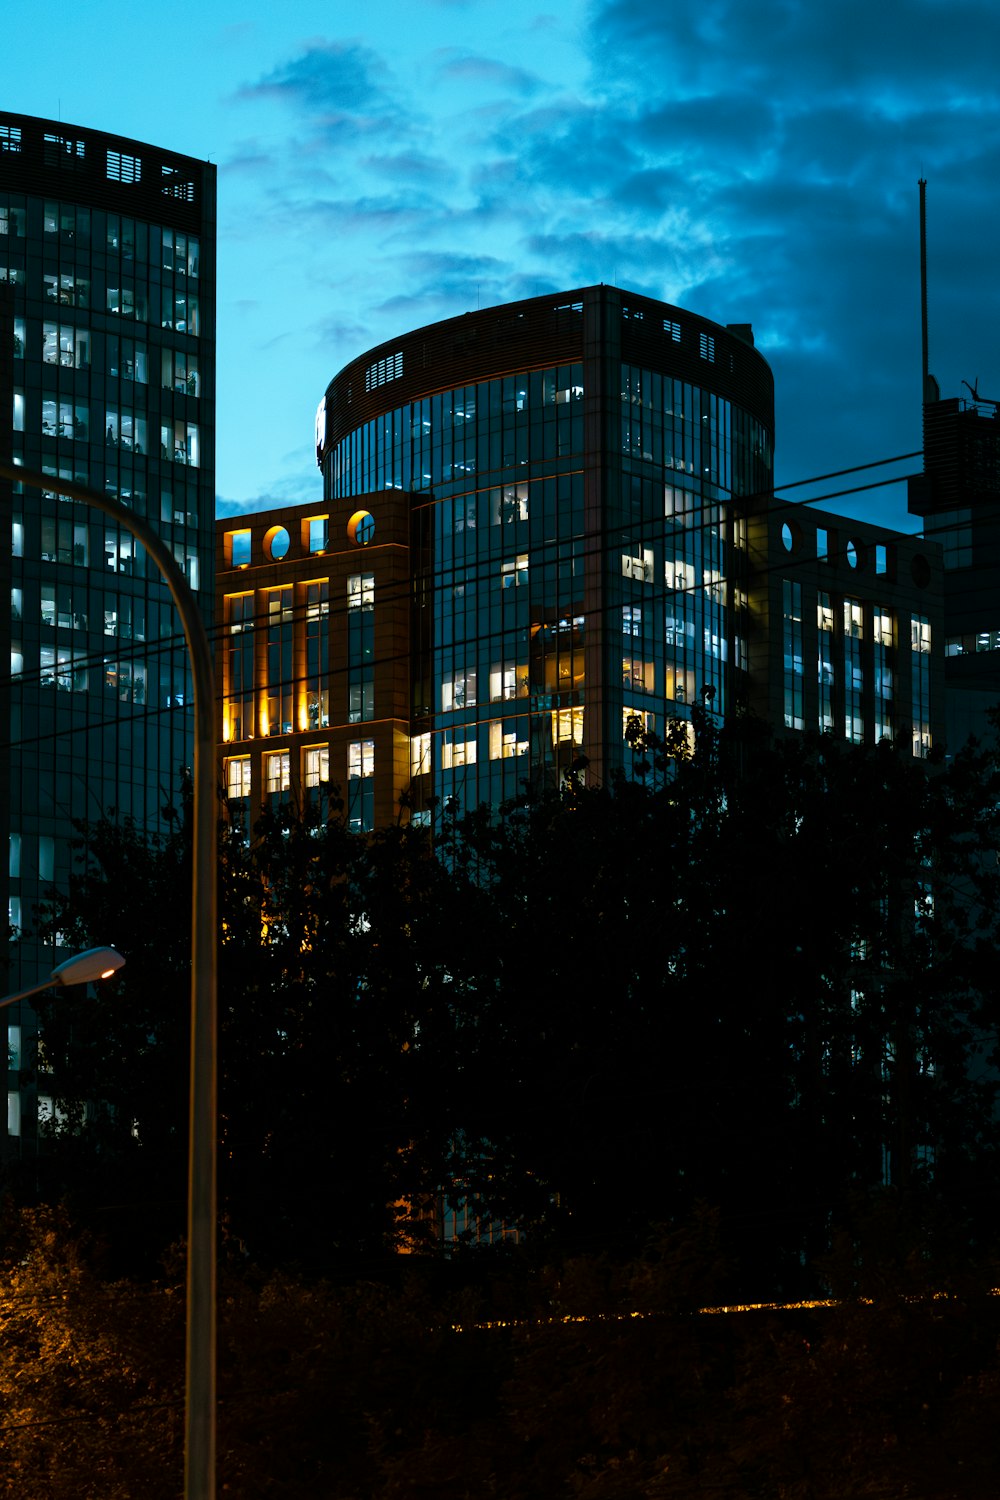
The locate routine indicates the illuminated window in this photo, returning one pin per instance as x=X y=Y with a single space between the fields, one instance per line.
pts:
x=854 y=728
x=791 y=595
x=637 y=721
x=638 y=675
x=277 y=771
x=638 y=566
x=824 y=660
x=508 y=738
x=63 y=669
x=361 y=591
x=181 y=442
x=920 y=647
x=678 y=574
x=514 y=571
x=361 y=758
x=678 y=684
x=315 y=765
x=420 y=754
x=237 y=777
x=457 y=753
x=458 y=691
x=567 y=726
x=507 y=683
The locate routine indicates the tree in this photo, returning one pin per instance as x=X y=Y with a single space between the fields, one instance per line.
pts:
x=339 y=995
x=759 y=973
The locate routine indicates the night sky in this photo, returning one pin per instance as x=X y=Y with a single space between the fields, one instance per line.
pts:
x=385 y=165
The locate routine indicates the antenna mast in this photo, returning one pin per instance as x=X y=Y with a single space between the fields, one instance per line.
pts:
x=929 y=386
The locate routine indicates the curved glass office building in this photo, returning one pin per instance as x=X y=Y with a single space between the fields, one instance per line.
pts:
x=573 y=467
x=107 y=315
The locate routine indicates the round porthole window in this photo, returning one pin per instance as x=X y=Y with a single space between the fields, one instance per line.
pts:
x=791 y=536
x=276 y=543
x=852 y=554
x=361 y=528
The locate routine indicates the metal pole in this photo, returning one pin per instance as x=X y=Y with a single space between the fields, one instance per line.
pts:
x=199 y=1449
x=922 y=185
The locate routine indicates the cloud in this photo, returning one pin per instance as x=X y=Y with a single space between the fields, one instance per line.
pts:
x=329 y=78
x=487 y=72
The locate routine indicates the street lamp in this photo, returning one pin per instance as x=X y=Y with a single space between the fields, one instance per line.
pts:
x=199 y=1435
x=82 y=968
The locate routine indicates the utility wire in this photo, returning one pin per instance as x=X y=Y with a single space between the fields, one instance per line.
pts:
x=458 y=575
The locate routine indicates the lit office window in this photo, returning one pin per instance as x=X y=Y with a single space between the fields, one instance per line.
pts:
x=638 y=566
x=635 y=721
x=457 y=753
x=277 y=771
x=238 y=667
x=791 y=596
x=508 y=738
x=317 y=625
x=854 y=724
x=883 y=635
x=315 y=765
x=361 y=758
x=920 y=675
x=567 y=726
x=361 y=591
x=360 y=789
x=508 y=682
x=420 y=754
x=63 y=669
x=458 y=691
x=514 y=571
x=638 y=675
x=237 y=777
x=824 y=660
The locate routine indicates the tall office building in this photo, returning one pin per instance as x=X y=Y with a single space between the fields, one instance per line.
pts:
x=107 y=280
x=958 y=500
x=540 y=522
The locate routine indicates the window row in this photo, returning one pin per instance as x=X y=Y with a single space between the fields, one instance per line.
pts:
x=314 y=769
x=171 y=249
x=179 y=440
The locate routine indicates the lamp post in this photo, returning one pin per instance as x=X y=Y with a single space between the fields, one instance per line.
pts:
x=199 y=1447
x=82 y=968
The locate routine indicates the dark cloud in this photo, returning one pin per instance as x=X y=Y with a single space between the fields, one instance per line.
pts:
x=410 y=166
x=751 y=160
x=488 y=73
x=338 y=78
x=793 y=47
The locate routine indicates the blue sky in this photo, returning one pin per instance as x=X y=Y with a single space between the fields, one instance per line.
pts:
x=385 y=165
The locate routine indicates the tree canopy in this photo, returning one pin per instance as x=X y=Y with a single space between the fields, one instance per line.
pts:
x=757 y=973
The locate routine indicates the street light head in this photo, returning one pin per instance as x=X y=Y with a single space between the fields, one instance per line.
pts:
x=84 y=968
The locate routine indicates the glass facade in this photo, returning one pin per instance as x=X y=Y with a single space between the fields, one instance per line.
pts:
x=575 y=538
x=107 y=256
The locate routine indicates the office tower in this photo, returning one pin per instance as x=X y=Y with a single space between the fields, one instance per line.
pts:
x=542 y=522
x=107 y=269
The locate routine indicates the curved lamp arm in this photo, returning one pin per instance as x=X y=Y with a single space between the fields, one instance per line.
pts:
x=82 y=968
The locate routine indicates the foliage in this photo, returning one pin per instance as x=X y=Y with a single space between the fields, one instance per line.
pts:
x=759 y=973
x=588 y=1377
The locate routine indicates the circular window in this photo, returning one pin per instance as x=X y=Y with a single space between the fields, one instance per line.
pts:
x=855 y=552
x=920 y=571
x=787 y=538
x=361 y=528
x=276 y=543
